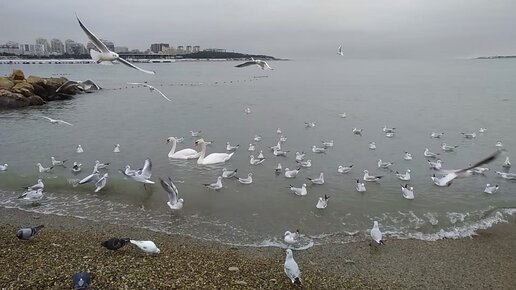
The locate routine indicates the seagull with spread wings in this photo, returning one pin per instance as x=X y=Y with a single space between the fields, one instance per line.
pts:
x=103 y=53
x=261 y=63
x=151 y=88
x=56 y=121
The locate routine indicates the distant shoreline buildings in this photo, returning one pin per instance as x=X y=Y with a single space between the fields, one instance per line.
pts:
x=55 y=47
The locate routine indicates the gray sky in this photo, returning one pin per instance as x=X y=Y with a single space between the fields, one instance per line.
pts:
x=288 y=28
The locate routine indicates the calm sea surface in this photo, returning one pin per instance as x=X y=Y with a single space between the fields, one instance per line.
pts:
x=416 y=97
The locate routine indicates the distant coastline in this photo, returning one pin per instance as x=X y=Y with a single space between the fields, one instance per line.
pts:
x=496 y=57
x=142 y=58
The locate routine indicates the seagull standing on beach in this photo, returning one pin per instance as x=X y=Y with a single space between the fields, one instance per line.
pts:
x=105 y=54
x=173 y=201
x=148 y=247
x=376 y=235
x=292 y=269
x=151 y=88
x=56 y=121
x=27 y=233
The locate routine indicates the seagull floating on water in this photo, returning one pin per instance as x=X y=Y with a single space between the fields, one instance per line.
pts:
x=499 y=144
x=327 y=143
x=278 y=169
x=260 y=155
x=99 y=165
x=491 y=188
x=372 y=146
x=76 y=168
x=57 y=162
x=257 y=138
x=309 y=124
x=316 y=149
x=469 y=135
x=230 y=147
x=403 y=176
x=344 y=169
x=278 y=152
x=384 y=164
x=407 y=156
x=247 y=180
x=79 y=149
x=103 y=53
x=506 y=175
x=388 y=130
x=282 y=139
x=116 y=149
x=291 y=173
x=291 y=238
x=343 y=115
x=251 y=148
x=507 y=162
x=306 y=164
x=429 y=154
x=368 y=177
x=357 y=131
x=255 y=161
x=339 y=51
x=300 y=156
x=228 y=173
x=195 y=133
x=44 y=169
x=322 y=203
x=435 y=164
x=152 y=89
x=360 y=186
x=299 y=191
x=482 y=130
x=318 y=180
x=436 y=135
x=216 y=185
x=407 y=192
x=447 y=147
x=3 y=167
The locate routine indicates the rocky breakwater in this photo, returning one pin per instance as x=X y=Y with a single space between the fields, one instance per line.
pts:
x=16 y=91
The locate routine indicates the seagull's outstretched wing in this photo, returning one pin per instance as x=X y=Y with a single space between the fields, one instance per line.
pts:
x=267 y=65
x=94 y=178
x=162 y=94
x=66 y=85
x=452 y=174
x=247 y=63
x=171 y=189
x=146 y=171
x=95 y=40
x=135 y=67
x=138 y=84
x=50 y=119
x=64 y=122
x=90 y=84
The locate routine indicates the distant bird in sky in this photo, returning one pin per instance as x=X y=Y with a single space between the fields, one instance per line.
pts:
x=56 y=121
x=261 y=63
x=151 y=88
x=339 y=51
x=105 y=54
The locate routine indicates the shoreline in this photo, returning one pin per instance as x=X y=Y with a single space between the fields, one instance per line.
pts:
x=67 y=245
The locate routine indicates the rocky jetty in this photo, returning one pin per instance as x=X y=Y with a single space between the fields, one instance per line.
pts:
x=16 y=91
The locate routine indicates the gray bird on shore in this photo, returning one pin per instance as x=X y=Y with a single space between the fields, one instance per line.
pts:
x=81 y=280
x=27 y=233
x=292 y=269
x=115 y=243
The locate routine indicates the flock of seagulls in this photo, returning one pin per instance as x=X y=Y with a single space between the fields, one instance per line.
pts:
x=143 y=175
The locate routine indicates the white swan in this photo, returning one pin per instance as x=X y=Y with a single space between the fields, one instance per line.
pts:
x=181 y=154
x=213 y=158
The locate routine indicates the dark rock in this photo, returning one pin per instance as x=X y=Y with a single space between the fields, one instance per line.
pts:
x=40 y=90
x=34 y=80
x=36 y=100
x=12 y=100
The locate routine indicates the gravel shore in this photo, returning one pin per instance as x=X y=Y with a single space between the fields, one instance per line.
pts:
x=68 y=245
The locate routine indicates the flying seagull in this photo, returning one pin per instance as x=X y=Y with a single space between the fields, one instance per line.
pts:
x=105 y=54
x=173 y=201
x=84 y=86
x=464 y=172
x=339 y=51
x=56 y=121
x=151 y=88
x=261 y=63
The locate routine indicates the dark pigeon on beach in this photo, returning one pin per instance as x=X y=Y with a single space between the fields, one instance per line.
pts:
x=115 y=243
x=27 y=233
x=81 y=280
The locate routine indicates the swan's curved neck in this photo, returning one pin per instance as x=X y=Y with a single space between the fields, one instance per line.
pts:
x=173 y=150
x=203 y=152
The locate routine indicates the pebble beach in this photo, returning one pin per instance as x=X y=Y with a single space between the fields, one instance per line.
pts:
x=67 y=245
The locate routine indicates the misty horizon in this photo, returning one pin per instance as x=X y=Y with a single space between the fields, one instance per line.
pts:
x=366 y=29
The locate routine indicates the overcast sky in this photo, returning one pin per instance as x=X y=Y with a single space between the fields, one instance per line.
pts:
x=288 y=28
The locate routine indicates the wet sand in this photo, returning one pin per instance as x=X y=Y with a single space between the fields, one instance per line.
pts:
x=68 y=245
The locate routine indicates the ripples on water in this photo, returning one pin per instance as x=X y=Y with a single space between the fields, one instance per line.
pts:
x=415 y=97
